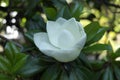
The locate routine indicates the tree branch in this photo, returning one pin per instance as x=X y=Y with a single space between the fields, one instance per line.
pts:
x=110 y=4
x=5 y=9
x=3 y=38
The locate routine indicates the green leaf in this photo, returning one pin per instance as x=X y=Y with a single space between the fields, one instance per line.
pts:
x=64 y=12
x=97 y=64
x=46 y=58
x=67 y=14
x=73 y=76
x=76 y=10
x=84 y=60
x=63 y=76
x=77 y=74
x=117 y=72
x=83 y=71
x=10 y=46
x=94 y=32
x=20 y=60
x=30 y=7
x=52 y=73
x=118 y=51
x=36 y=23
x=80 y=75
x=97 y=47
x=14 y=59
x=91 y=30
x=95 y=75
x=4 y=64
x=30 y=33
x=10 y=51
x=115 y=55
x=27 y=48
x=98 y=35
x=5 y=77
x=108 y=74
x=31 y=67
x=51 y=13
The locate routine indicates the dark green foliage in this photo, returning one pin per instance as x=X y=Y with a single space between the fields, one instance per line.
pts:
x=23 y=61
x=12 y=61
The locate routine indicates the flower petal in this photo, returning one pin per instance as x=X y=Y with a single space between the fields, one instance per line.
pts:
x=61 y=20
x=53 y=30
x=72 y=26
x=81 y=30
x=66 y=39
x=81 y=42
x=82 y=39
x=66 y=55
x=42 y=42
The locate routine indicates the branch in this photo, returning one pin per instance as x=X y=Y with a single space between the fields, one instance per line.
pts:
x=5 y=9
x=2 y=37
x=110 y=4
x=4 y=40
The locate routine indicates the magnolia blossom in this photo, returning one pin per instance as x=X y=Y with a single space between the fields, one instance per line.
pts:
x=63 y=41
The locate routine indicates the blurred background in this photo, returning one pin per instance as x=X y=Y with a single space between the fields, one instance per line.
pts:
x=18 y=18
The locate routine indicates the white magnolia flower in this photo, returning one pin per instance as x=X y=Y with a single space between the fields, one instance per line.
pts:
x=63 y=41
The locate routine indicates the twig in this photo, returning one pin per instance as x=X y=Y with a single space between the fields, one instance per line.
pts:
x=110 y=4
x=2 y=37
x=3 y=9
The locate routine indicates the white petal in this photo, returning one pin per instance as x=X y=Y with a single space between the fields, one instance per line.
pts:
x=66 y=39
x=83 y=37
x=72 y=26
x=53 y=30
x=81 y=30
x=81 y=42
x=42 y=42
x=66 y=55
x=61 y=20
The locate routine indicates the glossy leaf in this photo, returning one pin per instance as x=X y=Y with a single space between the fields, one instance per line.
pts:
x=73 y=76
x=20 y=60
x=5 y=77
x=76 y=10
x=98 y=35
x=117 y=72
x=31 y=67
x=118 y=51
x=97 y=65
x=84 y=60
x=63 y=76
x=91 y=30
x=108 y=75
x=35 y=23
x=77 y=74
x=52 y=73
x=13 y=59
x=64 y=12
x=4 y=64
x=10 y=51
x=51 y=13
x=29 y=36
x=30 y=33
x=97 y=47
x=31 y=4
